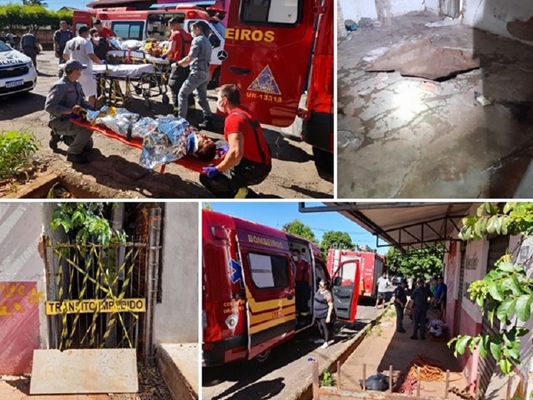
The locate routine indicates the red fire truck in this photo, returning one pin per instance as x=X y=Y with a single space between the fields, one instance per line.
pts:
x=277 y=51
x=248 y=288
x=371 y=268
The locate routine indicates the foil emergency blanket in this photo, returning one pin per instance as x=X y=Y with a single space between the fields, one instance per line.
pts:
x=120 y=121
x=166 y=139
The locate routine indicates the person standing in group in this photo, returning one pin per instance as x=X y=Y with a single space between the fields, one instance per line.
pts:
x=99 y=45
x=64 y=101
x=301 y=277
x=441 y=297
x=400 y=300
x=383 y=283
x=81 y=49
x=30 y=46
x=180 y=46
x=247 y=160
x=324 y=312
x=198 y=59
x=420 y=297
x=61 y=37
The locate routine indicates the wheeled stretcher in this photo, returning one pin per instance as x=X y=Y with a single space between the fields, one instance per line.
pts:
x=145 y=79
x=189 y=161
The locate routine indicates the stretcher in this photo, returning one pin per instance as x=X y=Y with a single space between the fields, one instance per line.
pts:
x=189 y=161
x=145 y=79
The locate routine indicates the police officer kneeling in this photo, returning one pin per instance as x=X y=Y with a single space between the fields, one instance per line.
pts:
x=64 y=100
x=247 y=161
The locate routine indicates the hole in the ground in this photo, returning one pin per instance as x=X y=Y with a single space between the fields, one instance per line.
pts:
x=423 y=59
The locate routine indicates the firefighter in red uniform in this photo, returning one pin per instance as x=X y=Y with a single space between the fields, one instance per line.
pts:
x=302 y=282
x=247 y=161
x=103 y=31
x=180 y=44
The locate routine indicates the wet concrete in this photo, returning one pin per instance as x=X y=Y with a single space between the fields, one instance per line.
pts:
x=405 y=137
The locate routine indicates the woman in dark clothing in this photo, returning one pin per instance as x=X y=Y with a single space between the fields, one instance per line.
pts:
x=323 y=311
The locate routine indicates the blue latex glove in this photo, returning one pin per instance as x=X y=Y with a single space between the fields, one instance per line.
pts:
x=74 y=116
x=164 y=57
x=104 y=62
x=224 y=149
x=211 y=172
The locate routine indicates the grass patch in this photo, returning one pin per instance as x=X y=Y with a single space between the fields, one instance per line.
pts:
x=16 y=150
x=326 y=379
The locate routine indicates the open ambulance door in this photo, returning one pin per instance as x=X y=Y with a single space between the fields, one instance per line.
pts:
x=79 y=19
x=345 y=289
x=268 y=46
x=270 y=298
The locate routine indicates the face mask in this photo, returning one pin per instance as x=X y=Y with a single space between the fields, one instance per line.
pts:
x=220 y=106
x=295 y=258
x=96 y=38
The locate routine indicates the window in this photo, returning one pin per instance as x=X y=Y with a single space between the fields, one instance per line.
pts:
x=269 y=271
x=271 y=11
x=346 y=274
x=128 y=30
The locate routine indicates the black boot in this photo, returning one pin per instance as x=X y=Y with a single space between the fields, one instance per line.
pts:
x=54 y=140
x=206 y=124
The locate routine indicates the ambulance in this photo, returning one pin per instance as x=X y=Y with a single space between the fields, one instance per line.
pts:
x=281 y=56
x=248 y=288
x=130 y=23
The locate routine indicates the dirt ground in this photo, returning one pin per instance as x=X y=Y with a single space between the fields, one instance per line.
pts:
x=114 y=171
x=151 y=387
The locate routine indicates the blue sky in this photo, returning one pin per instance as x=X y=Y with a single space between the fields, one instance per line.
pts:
x=276 y=214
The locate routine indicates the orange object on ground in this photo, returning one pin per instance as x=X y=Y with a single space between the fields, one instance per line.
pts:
x=189 y=161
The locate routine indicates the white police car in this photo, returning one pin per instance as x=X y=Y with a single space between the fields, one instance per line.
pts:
x=17 y=72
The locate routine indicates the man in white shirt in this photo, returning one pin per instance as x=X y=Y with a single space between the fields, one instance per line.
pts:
x=81 y=49
x=383 y=283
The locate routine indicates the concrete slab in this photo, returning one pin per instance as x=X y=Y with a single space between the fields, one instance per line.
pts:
x=17 y=388
x=178 y=364
x=84 y=371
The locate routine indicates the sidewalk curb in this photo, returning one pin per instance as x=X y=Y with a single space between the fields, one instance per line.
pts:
x=306 y=392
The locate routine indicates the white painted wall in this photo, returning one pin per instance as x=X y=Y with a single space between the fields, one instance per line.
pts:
x=21 y=226
x=493 y=15
x=357 y=9
x=476 y=268
x=176 y=318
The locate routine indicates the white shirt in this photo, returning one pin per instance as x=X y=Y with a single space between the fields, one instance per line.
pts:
x=79 y=49
x=383 y=283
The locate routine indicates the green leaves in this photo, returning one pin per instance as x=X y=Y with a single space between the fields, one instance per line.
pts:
x=523 y=307
x=16 y=149
x=506 y=309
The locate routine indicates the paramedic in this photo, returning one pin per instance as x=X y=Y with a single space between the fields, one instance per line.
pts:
x=247 y=161
x=301 y=277
x=81 y=49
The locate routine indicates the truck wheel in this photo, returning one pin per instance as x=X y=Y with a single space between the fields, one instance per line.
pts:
x=323 y=163
x=262 y=357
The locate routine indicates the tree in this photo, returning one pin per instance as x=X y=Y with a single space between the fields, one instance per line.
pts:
x=34 y=3
x=505 y=292
x=36 y=16
x=336 y=240
x=13 y=13
x=425 y=262
x=297 y=227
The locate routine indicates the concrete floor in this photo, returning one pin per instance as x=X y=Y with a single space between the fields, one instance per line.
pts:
x=384 y=347
x=408 y=137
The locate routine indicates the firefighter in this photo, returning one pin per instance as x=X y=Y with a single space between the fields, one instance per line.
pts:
x=198 y=59
x=247 y=161
x=420 y=297
x=63 y=102
x=301 y=277
x=103 y=31
x=180 y=45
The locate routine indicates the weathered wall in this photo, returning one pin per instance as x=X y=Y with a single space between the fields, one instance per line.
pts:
x=508 y=18
x=176 y=318
x=378 y=9
x=22 y=286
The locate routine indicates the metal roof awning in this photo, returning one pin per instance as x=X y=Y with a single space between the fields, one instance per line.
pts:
x=403 y=225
